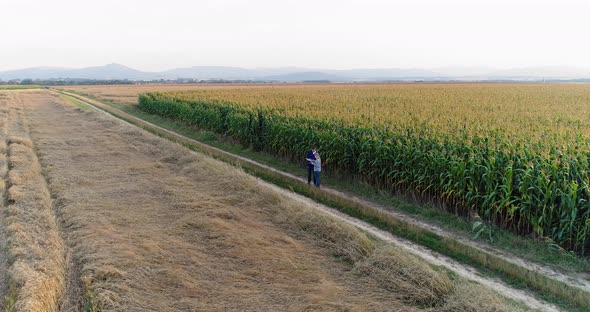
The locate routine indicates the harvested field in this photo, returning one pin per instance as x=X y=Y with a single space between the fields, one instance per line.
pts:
x=36 y=274
x=154 y=227
x=127 y=94
x=3 y=171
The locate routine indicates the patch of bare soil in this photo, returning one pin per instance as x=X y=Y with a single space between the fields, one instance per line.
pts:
x=156 y=228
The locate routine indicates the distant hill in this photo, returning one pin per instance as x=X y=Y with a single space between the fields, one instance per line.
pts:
x=106 y=72
x=464 y=71
x=308 y=76
x=209 y=72
x=375 y=74
x=548 y=72
x=229 y=73
x=296 y=74
x=33 y=72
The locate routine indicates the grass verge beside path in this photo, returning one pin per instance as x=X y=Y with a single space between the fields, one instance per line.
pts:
x=19 y=87
x=447 y=246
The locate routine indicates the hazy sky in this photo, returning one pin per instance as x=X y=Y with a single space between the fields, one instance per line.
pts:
x=163 y=34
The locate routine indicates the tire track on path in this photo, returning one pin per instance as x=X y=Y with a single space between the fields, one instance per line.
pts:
x=427 y=254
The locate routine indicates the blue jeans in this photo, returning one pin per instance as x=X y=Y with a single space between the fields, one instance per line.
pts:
x=310 y=174
x=316 y=175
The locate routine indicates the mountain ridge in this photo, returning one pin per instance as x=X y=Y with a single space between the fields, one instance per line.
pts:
x=116 y=71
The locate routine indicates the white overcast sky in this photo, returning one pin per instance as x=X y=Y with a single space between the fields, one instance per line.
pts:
x=164 y=34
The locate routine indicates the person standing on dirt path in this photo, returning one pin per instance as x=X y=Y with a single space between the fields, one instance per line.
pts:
x=317 y=169
x=310 y=158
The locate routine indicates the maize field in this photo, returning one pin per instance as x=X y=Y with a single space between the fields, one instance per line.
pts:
x=516 y=154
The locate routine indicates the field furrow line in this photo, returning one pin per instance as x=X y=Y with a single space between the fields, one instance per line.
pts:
x=37 y=253
x=4 y=304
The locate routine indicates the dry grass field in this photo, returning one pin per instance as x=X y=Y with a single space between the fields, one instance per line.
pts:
x=36 y=274
x=102 y=216
x=127 y=94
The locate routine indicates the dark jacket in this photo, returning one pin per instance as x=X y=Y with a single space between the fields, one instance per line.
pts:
x=310 y=155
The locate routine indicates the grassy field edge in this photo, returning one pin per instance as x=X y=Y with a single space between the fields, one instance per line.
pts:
x=459 y=250
x=19 y=87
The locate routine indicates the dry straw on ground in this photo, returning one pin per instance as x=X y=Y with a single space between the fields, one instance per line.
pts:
x=3 y=172
x=34 y=246
x=407 y=276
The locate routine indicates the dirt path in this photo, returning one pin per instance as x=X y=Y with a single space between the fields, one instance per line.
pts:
x=149 y=237
x=428 y=255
